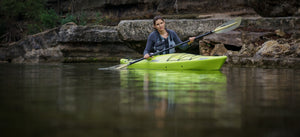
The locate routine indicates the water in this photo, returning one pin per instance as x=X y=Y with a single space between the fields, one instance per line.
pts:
x=70 y=100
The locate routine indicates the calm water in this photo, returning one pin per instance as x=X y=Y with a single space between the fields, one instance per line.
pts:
x=77 y=100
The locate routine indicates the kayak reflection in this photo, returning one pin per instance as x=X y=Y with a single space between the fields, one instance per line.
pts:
x=185 y=86
x=180 y=94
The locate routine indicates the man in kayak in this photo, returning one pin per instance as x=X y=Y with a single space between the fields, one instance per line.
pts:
x=162 y=38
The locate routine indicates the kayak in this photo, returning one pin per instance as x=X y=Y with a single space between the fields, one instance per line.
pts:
x=178 y=61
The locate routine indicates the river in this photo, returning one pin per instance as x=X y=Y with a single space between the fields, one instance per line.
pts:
x=78 y=100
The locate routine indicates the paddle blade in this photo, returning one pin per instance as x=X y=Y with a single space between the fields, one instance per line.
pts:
x=121 y=66
x=228 y=26
x=116 y=67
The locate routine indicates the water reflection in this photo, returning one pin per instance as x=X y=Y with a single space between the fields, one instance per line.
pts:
x=180 y=86
x=198 y=94
x=268 y=98
x=68 y=100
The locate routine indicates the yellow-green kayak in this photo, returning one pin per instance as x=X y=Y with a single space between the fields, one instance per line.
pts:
x=179 y=61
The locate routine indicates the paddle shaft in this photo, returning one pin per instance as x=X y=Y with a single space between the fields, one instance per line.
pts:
x=184 y=42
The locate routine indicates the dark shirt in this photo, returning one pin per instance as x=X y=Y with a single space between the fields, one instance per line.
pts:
x=156 y=42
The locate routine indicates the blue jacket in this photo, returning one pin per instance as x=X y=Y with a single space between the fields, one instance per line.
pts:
x=156 y=42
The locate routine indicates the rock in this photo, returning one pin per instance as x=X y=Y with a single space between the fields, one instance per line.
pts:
x=250 y=30
x=207 y=49
x=296 y=36
x=235 y=38
x=280 y=33
x=248 y=50
x=145 y=9
x=204 y=48
x=92 y=43
x=232 y=53
x=255 y=40
x=138 y=30
x=135 y=30
x=219 y=50
x=73 y=33
x=70 y=43
x=273 y=49
x=275 y=8
x=94 y=52
x=229 y=38
x=285 y=24
x=45 y=55
x=297 y=49
x=35 y=48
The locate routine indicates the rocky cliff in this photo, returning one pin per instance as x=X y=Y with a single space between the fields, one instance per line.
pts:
x=145 y=9
x=116 y=10
x=68 y=43
x=257 y=42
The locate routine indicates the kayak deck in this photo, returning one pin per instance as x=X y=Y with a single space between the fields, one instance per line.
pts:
x=179 y=61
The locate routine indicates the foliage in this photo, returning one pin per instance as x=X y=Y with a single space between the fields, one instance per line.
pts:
x=101 y=19
x=68 y=18
x=33 y=8
x=48 y=19
x=45 y=20
x=33 y=28
x=19 y=10
x=11 y=8
x=80 y=18
x=14 y=12
x=23 y=17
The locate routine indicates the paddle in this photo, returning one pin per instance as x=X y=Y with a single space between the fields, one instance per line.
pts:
x=228 y=26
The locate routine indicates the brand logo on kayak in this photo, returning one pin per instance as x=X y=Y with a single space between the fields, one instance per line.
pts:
x=154 y=60
x=203 y=58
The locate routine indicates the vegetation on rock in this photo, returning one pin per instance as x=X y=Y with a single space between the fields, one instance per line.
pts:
x=25 y=17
